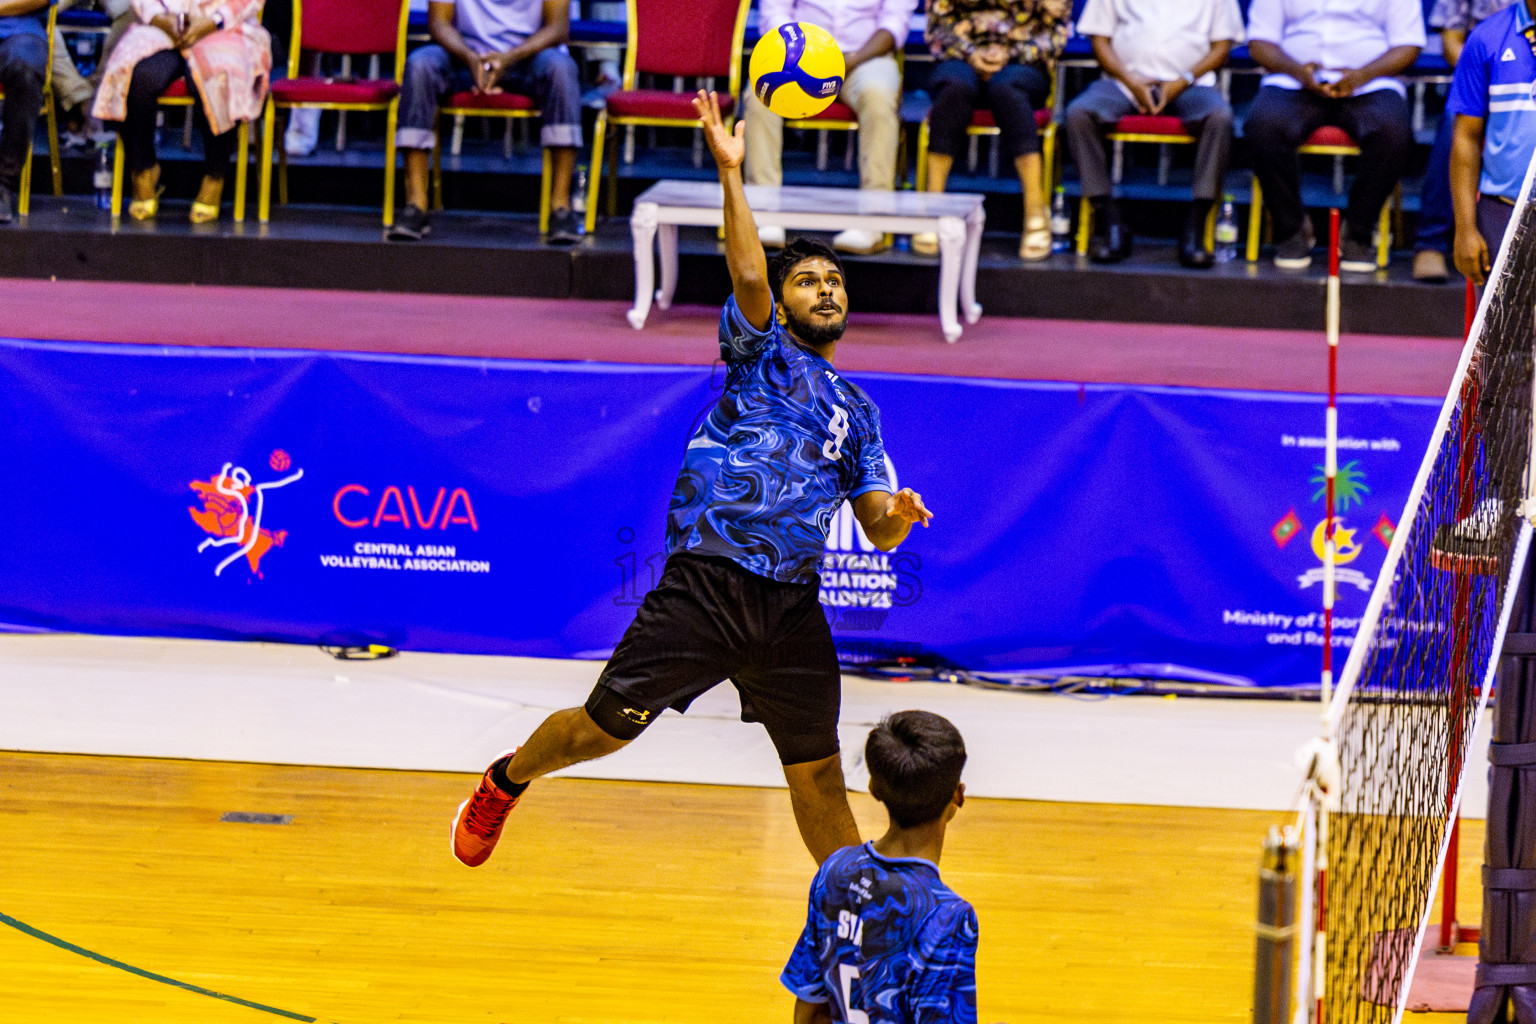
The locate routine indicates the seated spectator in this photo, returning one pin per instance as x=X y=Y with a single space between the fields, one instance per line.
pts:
x=23 y=62
x=882 y=906
x=1159 y=57
x=71 y=91
x=491 y=46
x=225 y=56
x=999 y=54
x=1331 y=62
x=869 y=33
x=1454 y=19
x=1495 y=139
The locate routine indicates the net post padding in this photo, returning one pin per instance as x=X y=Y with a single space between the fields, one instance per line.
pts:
x=1418 y=675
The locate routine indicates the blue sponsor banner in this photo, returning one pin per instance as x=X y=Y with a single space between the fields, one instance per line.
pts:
x=509 y=507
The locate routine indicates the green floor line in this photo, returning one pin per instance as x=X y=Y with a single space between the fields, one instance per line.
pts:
x=54 y=940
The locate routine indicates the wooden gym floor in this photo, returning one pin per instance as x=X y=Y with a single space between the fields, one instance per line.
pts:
x=607 y=902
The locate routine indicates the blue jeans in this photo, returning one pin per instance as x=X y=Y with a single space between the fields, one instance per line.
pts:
x=23 y=62
x=1013 y=94
x=1436 y=218
x=549 y=76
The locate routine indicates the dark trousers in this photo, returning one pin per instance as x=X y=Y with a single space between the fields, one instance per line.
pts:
x=1282 y=119
x=1493 y=217
x=151 y=77
x=23 y=62
x=1204 y=112
x=1436 y=218
x=1013 y=95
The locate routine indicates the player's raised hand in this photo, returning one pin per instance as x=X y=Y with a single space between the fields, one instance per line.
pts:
x=906 y=504
x=728 y=149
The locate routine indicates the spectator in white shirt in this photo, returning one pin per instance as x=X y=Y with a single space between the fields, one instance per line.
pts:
x=1331 y=62
x=1159 y=58
x=869 y=32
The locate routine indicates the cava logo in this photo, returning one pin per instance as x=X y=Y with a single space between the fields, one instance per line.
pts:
x=233 y=511
x=355 y=508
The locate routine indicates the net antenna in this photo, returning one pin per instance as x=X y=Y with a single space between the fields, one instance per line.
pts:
x=1384 y=778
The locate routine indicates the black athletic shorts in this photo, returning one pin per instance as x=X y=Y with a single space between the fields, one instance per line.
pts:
x=709 y=620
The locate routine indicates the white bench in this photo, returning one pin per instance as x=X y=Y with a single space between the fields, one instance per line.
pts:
x=956 y=217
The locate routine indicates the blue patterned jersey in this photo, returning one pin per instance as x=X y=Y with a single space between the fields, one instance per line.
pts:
x=789 y=441
x=886 y=942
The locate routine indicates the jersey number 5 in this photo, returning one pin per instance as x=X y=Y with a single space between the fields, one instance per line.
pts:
x=848 y=975
x=838 y=425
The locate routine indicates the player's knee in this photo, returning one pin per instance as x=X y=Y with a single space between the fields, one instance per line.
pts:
x=615 y=719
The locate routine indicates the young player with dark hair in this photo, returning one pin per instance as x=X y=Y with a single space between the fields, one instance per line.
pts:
x=788 y=443
x=885 y=941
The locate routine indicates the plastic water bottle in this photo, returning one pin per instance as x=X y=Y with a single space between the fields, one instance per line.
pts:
x=1226 y=232
x=102 y=178
x=579 y=190
x=1061 y=222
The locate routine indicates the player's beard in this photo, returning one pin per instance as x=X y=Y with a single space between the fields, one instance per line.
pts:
x=815 y=331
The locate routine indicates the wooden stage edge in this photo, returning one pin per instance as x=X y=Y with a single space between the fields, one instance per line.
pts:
x=607 y=901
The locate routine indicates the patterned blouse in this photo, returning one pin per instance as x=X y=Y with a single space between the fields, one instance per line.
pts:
x=1033 y=30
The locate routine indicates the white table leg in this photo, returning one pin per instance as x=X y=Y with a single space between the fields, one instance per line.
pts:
x=666 y=241
x=642 y=227
x=951 y=255
x=974 y=225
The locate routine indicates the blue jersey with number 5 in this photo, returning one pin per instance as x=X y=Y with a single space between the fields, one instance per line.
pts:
x=886 y=942
x=789 y=441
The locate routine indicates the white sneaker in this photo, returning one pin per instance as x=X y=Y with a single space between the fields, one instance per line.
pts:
x=856 y=240
x=303 y=132
x=772 y=237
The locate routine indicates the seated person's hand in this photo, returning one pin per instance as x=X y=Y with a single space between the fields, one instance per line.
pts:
x=1308 y=80
x=1142 y=92
x=167 y=24
x=1167 y=92
x=196 y=29
x=493 y=67
x=1346 y=84
x=988 y=60
x=1471 y=255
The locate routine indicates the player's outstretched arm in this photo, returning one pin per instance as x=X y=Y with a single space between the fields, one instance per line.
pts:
x=743 y=252
x=888 y=518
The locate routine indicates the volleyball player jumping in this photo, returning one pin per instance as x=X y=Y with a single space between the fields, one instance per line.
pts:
x=788 y=443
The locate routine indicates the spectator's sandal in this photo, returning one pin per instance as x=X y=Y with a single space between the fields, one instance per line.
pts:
x=145 y=209
x=1036 y=243
x=203 y=213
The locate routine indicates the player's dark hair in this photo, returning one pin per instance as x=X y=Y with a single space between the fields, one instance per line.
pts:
x=796 y=252
x=914 y=760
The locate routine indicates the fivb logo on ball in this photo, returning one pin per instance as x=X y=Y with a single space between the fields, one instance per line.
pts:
x=797 y=71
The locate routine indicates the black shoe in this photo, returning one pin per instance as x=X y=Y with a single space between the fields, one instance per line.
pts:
x=409 y=226
x=7 y=205
x=1192 y=251
x=1295 y=253
x=564 y=228
x=1470 y=544
x=1356 y=257
x=1112 y=246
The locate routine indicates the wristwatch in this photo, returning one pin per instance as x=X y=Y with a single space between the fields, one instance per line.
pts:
x=1189 y=79
x=218 y=20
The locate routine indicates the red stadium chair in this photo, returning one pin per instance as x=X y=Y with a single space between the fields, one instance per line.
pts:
x=506 y=105
x=1329 y=140
x=983 y=123
x=24 y=195
x=346 y=27
x=177 y=95
x=1162 y=129
x=678 y=39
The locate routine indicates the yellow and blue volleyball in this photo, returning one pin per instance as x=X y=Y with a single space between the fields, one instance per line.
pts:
x=797 y=70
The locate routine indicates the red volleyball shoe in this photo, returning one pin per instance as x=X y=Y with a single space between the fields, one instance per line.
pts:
x=480 y=818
